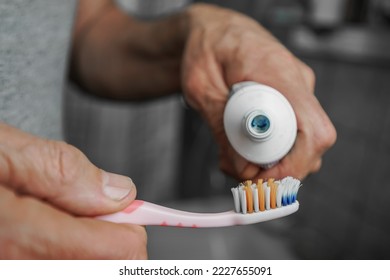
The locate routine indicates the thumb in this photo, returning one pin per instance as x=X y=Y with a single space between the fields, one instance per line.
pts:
x=62 y=175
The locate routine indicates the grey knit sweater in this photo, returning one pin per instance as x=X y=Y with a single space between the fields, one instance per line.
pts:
x=34 y=42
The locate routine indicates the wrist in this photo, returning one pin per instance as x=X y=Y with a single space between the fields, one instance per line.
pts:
x=118 y=56
x=165 y=37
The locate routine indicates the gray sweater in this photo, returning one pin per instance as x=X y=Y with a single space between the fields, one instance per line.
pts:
x=34 y=42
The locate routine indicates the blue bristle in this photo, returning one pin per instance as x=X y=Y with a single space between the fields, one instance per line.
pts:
x=284 y=200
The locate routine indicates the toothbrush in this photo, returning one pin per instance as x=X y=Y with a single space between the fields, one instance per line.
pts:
x=253 y=203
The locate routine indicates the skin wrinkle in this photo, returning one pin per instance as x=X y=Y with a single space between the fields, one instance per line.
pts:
x=17 y=170
x=7 y=172
x=31 y=162
x=61 y=165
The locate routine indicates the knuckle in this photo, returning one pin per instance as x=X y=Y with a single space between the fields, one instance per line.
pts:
x=62 y=162
x=328 y=137
x=317 y=166
x=280 y=56
x=191 y=81
x=309 y=74
x=192 y=85
x=283 y=65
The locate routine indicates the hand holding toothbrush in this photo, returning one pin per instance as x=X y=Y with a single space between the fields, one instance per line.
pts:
x=48 y=190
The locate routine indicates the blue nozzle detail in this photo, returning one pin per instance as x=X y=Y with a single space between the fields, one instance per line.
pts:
x=260 y=124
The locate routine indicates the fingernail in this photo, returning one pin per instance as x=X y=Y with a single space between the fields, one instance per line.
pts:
x=116 y=187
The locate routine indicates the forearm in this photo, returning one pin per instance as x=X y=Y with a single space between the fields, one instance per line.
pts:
x=114 y=55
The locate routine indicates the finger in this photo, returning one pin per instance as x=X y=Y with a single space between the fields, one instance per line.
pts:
x=299 y=162
x=243 y=169
x=317 y=166
x=61 y=174
x=31 y=229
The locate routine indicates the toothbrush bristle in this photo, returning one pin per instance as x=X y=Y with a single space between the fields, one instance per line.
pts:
x=261 y=196
x=249 y=198
x=272 y=186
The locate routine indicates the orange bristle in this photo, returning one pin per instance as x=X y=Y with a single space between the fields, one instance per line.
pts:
x=273 y=196
x=260 y=192
x=272 y=185
x=249 y=196
x=270 y=181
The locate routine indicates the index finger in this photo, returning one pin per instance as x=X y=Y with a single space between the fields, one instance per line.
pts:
x=32 y=229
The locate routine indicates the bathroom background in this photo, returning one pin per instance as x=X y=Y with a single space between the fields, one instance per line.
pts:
x=169 y=152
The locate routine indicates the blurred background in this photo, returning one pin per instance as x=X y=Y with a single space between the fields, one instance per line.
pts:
x=170 y=154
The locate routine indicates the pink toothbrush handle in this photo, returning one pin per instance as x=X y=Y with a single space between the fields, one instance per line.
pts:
x=146 y=213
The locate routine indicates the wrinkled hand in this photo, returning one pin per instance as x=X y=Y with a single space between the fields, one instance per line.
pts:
x=224 y=48
x=48 y=190
x=206 y=49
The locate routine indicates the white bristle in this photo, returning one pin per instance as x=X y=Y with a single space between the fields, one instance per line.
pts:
x=289 y=190
x=236 y=199
x=243 y=200
x=297 y=185
x=255 y=198
x=267 y=198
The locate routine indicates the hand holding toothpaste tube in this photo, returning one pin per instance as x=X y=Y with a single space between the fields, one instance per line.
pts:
x=203 y=51
x=225 y=48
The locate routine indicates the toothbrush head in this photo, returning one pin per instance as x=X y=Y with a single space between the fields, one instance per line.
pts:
x=249 y=197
